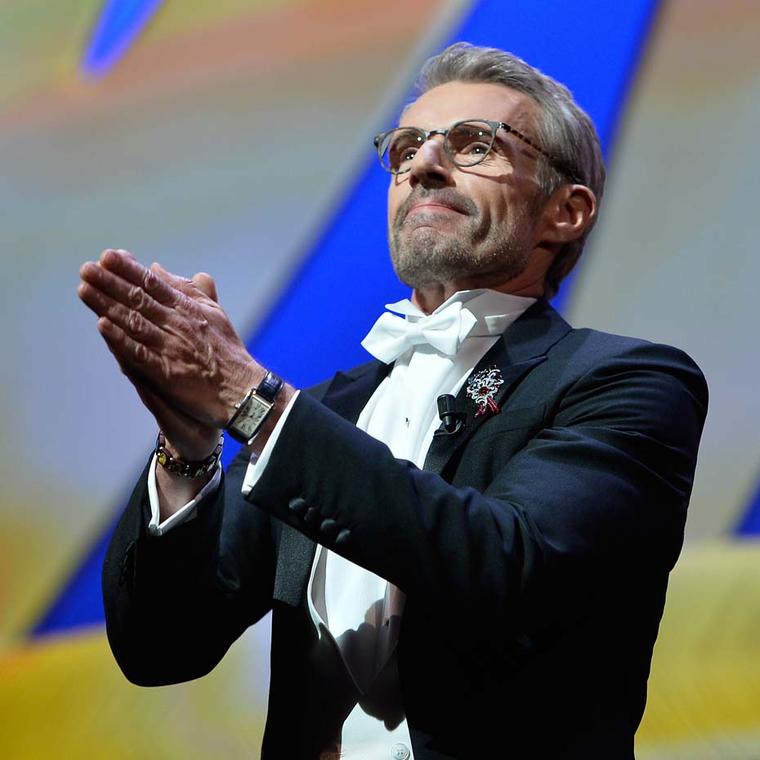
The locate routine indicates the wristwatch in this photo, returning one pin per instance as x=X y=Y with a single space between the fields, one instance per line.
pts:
x=253 y=409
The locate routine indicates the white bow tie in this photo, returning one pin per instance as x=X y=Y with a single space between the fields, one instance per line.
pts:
x=391 y=336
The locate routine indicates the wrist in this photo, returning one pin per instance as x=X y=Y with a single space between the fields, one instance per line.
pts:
x=174 y=491
x=192 y=469
x=282 y=401
x=193 y=451
x=247 y=378
x=254 y=409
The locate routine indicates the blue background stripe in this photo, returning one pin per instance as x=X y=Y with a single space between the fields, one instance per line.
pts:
x=118 y=26
x=749 y=525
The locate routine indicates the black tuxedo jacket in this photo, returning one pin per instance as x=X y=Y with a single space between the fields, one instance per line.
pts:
x=534 y=549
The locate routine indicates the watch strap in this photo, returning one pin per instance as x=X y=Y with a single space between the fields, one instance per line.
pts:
x=269 y=387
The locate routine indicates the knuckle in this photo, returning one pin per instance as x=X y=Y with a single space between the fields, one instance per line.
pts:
x=136 y=296
x=111 y=310
x=135 y=322
x=141 y=353
x=150 y=281
x=184 y=303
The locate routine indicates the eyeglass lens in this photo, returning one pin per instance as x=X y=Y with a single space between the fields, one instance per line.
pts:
x=466 y=144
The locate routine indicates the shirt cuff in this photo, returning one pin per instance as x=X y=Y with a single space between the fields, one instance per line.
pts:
x=257 y=466
x=185 y=513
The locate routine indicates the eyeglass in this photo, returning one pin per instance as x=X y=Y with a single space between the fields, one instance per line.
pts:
x=466 y=143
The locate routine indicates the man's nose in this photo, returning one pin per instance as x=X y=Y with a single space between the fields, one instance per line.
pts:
x=431 y=166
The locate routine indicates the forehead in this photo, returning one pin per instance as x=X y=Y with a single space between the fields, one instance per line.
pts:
x=453 y=101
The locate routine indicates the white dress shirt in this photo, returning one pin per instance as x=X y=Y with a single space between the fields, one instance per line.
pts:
x=358 y=611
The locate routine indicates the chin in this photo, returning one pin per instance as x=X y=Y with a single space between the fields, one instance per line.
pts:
x=420 y=271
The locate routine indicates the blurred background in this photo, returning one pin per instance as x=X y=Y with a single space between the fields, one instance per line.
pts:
x=235 y=137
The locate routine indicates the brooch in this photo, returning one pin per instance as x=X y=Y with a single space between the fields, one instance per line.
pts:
x=482 y=387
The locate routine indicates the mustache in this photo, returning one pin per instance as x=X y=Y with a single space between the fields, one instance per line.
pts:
x=446 y=196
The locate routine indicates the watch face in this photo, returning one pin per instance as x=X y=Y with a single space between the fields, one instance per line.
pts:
x=250 y=418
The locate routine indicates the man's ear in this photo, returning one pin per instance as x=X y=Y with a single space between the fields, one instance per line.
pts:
x=569 y=212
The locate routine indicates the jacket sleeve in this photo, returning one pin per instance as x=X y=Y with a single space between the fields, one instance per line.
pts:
x=174 y=604
x=600 y=491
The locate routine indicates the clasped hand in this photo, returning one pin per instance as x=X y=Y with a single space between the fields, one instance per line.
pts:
x=174 y=343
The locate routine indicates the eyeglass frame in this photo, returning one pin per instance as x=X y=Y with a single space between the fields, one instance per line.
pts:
x=495 y=126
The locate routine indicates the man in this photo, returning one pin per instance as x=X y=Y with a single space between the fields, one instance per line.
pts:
x=487 y=583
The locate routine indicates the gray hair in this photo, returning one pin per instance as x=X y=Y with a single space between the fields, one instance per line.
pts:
x=565 y=130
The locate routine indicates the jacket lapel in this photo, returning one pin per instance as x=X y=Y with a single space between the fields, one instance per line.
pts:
x=347 y=395
x=521 y=347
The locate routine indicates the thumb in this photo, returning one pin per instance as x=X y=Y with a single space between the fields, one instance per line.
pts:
x=205 y=283
x=200 y=283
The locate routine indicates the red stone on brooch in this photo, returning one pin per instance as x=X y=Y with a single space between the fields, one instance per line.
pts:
x=482 y=387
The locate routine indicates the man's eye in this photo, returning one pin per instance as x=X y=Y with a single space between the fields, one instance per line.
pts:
x=475 y=148
x=402 y=154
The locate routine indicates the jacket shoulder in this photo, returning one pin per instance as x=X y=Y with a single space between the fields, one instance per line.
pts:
x=590 y=351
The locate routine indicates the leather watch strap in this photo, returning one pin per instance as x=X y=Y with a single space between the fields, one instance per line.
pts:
x=269 y=387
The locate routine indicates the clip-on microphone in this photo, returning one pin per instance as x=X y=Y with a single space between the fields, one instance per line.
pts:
x=453 y=420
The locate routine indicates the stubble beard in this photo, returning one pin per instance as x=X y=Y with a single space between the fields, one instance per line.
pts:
x=426 y=255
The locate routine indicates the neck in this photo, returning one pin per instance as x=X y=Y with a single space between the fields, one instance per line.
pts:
x=430 y=296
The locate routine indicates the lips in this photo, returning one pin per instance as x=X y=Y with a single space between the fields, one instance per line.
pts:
x=430 y=205
x=438 y=203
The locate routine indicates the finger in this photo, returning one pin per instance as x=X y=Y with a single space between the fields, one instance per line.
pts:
x=191 y=439
x=119 y=289
x=135 y=359
x=189 y=287
x=205 y=283
x=129 y=320
x=153 y=369
x=125 y=265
